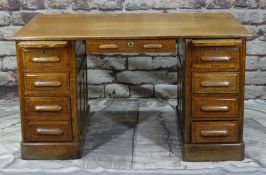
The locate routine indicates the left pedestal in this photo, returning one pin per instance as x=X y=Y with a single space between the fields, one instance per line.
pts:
x=53 y=98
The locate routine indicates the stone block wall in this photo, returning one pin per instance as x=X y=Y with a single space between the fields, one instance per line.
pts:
x=116 y=76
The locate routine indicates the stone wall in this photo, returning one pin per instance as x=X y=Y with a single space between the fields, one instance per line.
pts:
x=134 y=75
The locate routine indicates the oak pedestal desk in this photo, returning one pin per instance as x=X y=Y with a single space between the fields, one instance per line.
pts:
x=210 y=49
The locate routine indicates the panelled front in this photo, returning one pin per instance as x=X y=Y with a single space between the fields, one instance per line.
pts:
x=216 y=82
x=46 y=91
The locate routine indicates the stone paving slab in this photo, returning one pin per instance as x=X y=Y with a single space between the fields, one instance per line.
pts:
x=133 y=136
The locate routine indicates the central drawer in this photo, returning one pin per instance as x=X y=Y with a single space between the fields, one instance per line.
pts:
x=130 y=46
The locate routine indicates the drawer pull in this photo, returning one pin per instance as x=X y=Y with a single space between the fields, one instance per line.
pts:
x=47 y=84
x=108 y=46
x=214 y=133
x=45 y=60
x=46 y=131
x=214 y=108
x=47 y=108
x=215 y=84
x=152 y=46
x=218 y=59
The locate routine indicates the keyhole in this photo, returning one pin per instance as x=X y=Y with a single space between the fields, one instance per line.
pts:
x=130 y=44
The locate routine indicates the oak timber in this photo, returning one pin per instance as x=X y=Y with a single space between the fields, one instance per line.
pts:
x=137 y=26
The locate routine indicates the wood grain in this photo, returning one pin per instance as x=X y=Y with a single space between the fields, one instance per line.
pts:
x=131 y=26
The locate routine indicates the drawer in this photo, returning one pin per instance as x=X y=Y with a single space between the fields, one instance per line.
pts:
x=214 y=132
x=45 y=58
x=216 y=53
x=130 y=46
x=48 y=131
x=214 y=107
x=49 y=82
x=37 y=108
x=215 y=82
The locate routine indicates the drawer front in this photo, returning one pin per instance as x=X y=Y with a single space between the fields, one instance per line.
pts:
x=50 y=82
x=215 y=82
x=216 y=53
x=215 y=57
x=214 y=107
x=130 y=46
x=214 y=132
x=45 y=58
x=48 y=131
x=37 y=108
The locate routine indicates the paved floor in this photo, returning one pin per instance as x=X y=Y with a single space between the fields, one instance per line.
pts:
x=133 y=137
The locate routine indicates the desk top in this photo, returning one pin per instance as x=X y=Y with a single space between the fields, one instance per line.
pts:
x=131 y=26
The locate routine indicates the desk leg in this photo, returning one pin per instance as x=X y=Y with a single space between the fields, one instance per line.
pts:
x=54 y=110
x=213 y=99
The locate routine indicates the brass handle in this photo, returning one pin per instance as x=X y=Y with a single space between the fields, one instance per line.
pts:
x=47 y=84
x=130 y=44
x=47 y=108
x=108 y=46
x=215 y=84
x=214 y=133
x=45 y=59
x=214 y=108
x=152 y=46
x=218 y=59
x=46 y=131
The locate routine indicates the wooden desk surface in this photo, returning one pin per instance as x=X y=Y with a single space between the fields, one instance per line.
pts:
x=137 y=26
